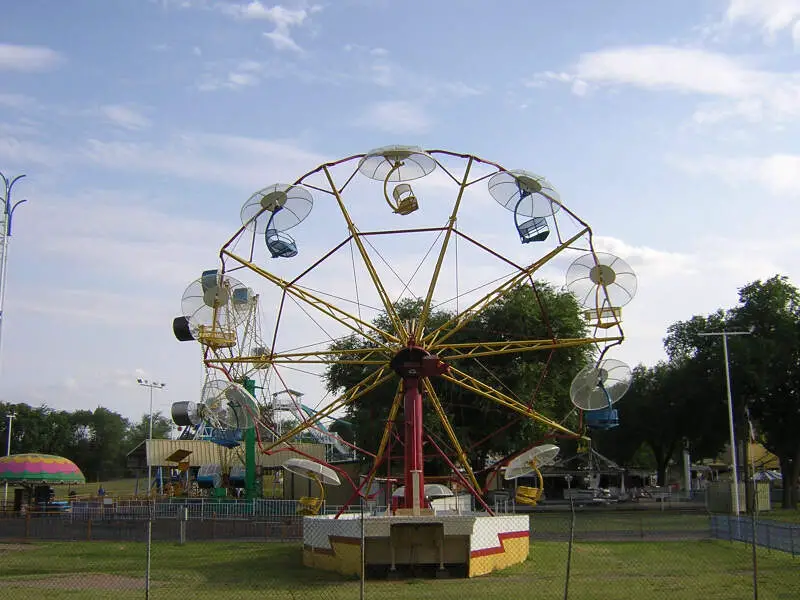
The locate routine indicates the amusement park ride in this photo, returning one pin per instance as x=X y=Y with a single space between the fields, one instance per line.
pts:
x=349 y=290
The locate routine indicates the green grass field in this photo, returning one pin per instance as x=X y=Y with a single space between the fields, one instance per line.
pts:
x=711 y=570
x=117 y=487
x=789 y=516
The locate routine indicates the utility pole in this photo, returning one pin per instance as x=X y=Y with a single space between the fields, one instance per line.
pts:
x=734 y=462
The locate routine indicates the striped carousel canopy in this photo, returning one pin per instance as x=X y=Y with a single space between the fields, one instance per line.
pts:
x=39 y=469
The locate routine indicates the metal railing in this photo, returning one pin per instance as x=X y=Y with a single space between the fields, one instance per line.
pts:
x=770 y=534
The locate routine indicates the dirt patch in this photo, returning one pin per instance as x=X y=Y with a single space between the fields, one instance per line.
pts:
x=16 y=547
x=83 y=581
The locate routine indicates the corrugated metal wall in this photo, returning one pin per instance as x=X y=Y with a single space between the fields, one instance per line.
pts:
x=208 y=453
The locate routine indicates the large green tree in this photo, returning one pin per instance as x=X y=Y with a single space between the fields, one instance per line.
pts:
x=475 y=419
x=764 y=367
x=664 y=410
x=770 y=370
x=139 y=431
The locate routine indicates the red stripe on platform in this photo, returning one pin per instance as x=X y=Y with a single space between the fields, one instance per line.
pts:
x=508 y=535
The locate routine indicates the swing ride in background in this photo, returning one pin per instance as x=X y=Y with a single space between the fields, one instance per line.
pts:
x=339 y=278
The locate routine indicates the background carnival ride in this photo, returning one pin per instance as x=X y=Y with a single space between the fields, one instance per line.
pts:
x=351 y=290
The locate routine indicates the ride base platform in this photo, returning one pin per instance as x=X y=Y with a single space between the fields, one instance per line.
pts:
x=465 y=545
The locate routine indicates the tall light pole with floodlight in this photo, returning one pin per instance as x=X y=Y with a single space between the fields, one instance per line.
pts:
x=6 y=215
x=734 y=463
x=10 y=416
x=152 y=385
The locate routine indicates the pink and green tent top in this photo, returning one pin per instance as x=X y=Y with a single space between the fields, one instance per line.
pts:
x=35 y=469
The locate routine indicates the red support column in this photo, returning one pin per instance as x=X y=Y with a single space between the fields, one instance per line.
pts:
x=413 y=364
x=414 y=472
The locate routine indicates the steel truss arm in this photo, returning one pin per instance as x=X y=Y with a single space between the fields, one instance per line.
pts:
x=451 y=352
x=356 y=356
x=366 y=385
x=426 y=307
x=373 y=274
x=462 y=456
x=337 y=314
x=458 y=322
x=387 y=434
x=471 y=384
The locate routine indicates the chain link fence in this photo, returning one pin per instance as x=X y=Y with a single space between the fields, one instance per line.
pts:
x=591 y=553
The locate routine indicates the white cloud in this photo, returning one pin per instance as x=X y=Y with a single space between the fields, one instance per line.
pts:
x=245 y=73
x=771 y=17
x=395 y=116
x=123 y=116
x=375 y=66
x=736 y=89
x=18 y=151
x=244 y=162
x=28 y=58
x=777 y=173
x=283 y=19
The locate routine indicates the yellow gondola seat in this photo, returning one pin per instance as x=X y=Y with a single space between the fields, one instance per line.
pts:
x=528 y=495
x=405 y=199
x=309 y=505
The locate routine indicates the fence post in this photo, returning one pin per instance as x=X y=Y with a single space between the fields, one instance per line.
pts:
x=184 y=515
x=791 y=539
x=89 y=530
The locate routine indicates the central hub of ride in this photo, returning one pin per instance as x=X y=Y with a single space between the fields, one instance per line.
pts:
x=414 y=364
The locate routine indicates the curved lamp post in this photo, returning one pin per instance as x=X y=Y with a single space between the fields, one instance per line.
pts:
x=5 y=236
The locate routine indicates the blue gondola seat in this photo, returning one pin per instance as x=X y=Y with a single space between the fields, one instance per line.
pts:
x=605 y=418
x=280 y=245
x=227 y=438
x=533 y=230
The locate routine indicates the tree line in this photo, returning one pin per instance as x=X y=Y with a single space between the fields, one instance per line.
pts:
x=677 y=403
x=681 y=402
x=97 y=441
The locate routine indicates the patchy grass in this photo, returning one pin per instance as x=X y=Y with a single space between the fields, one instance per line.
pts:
x=780 y=514
x=712 y=570
x=644 y=522
x=116 y=487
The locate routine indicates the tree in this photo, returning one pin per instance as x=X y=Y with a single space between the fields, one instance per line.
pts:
x=475 y=419
x=140 y=431
x=665 y=409
x=99 y=438
x=40 y=429
x=770 y=370
x=765 y=368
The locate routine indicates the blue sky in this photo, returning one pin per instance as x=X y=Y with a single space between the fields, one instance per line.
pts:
x=143 y=126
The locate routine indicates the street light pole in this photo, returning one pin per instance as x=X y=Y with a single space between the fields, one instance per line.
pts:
x=6 y=216
x=734 y=462
x=10 y=416
x=152 y=385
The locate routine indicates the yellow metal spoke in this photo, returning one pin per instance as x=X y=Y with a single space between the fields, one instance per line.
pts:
x=457 y=322
x=462 y=456
x=449 y=352
x=426 y=307
x=337 y=314
x=356 y=356
x=387 y=431
x=373 y=274
x=476 y=386
x=366 y=385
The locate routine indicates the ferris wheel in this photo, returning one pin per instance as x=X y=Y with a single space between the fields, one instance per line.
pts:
x=383 y=274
